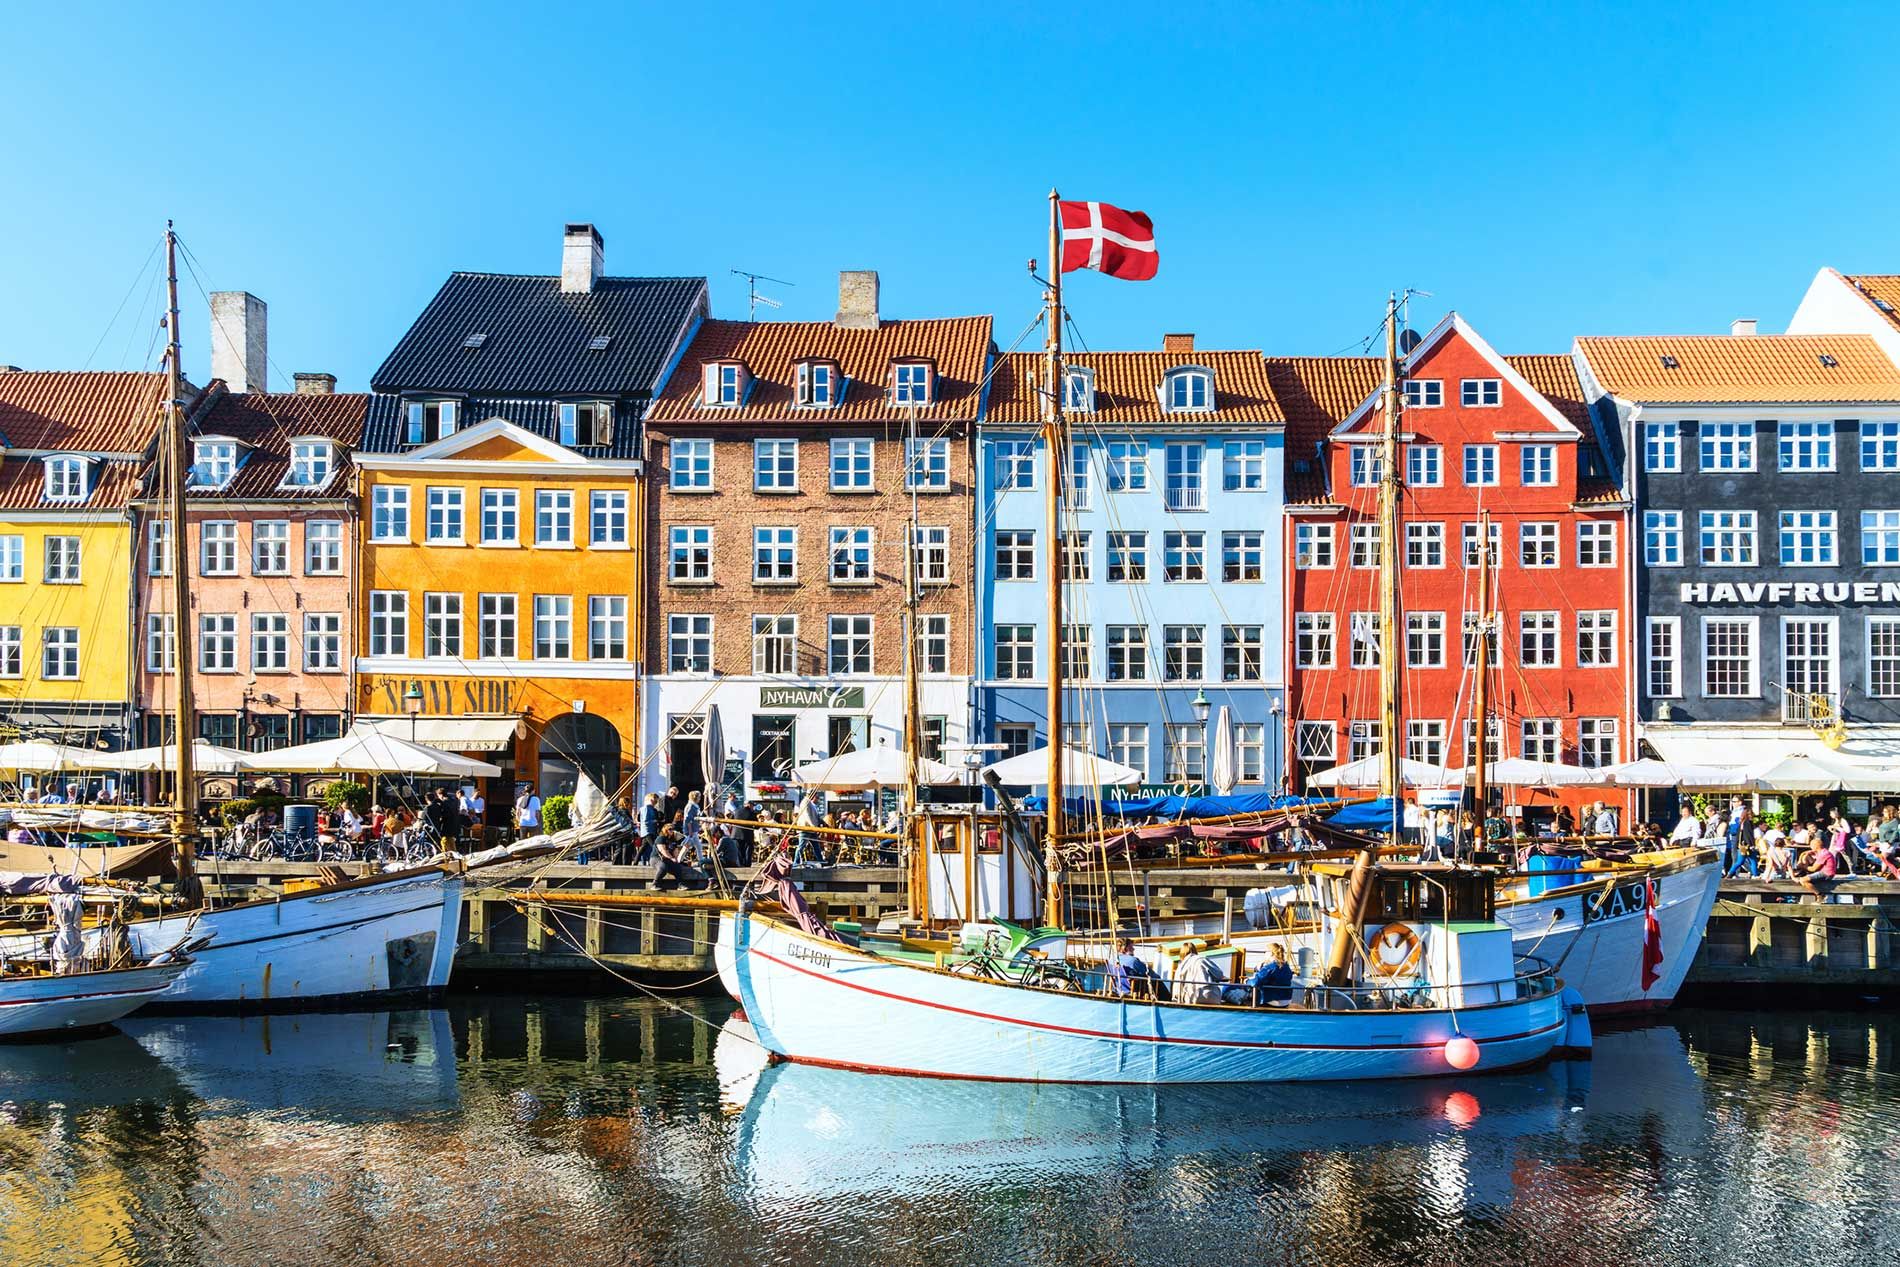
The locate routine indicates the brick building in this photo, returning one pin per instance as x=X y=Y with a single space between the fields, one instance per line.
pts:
x=786 y=460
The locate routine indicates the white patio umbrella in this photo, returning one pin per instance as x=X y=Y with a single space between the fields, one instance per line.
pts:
x=1365 y=772
x=880 y=766
x=1079 y=769
x=38 y=755
x=206 y=758
x=1806 y=772
x=1523 y=772
x=369 y=751
x=1650 y=772
x=1223 y=764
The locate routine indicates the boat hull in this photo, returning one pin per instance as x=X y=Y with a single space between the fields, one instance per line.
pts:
x=35 y=1006
x=820 y=1002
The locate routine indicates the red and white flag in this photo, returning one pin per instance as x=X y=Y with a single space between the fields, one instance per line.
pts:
x=1652 y=938
x=1109 y=240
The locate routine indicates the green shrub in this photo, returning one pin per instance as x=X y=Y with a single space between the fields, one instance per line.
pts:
x=346 y=793
x=557 y=813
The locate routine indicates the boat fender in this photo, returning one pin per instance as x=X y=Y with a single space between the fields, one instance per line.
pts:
x=1577 y=1039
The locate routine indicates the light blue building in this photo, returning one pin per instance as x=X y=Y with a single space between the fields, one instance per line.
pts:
x=1174 y=597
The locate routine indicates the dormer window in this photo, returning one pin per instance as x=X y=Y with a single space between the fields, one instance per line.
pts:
x=910 y=383
x=1078 y=391
x=725 y=384
x=587 y=422
x=817 y=385
x=213 y=463
x=66 y=479
x=1188 y=391
x=430 y=420
x=311 y=462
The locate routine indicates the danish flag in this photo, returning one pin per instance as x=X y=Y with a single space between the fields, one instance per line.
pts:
x=1109 y=240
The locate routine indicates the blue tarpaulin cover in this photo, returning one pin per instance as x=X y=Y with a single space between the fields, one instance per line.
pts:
x=1375 y=815
x=1181 y=806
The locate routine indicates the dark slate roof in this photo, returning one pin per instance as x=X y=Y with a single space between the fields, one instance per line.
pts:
x=384 y=431
x=536 y=336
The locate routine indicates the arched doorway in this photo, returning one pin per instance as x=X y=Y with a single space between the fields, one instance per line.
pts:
x=575 y=742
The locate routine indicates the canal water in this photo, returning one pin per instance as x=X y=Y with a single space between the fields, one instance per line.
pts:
x=545 y=1132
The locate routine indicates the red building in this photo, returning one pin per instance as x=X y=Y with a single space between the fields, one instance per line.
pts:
x=1511 y=436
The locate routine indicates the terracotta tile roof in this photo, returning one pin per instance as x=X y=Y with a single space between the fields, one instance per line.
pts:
x=1598 y=493
x=1555 y=378
x=960 y=346
x=1317 y=393
x=23 y=486
x=1127 y=387
x=266 y=423
x=86 y=412
x=1880 y=288
x=1742 y=369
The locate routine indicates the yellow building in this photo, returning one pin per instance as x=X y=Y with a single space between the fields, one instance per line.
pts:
x=73 y=444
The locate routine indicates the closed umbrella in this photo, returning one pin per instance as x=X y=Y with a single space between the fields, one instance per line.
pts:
x=1223 y=763
x=712 y=752
x=1079 y=769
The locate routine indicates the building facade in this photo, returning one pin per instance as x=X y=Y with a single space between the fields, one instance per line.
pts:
x=789 y=462
x=500 y=482
x=1860 y=303
x=69 y=471
x=1766 y=474
x=1481 y=433
x=1172 y=580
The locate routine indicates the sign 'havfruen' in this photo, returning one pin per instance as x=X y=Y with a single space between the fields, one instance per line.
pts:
x=1109 y=240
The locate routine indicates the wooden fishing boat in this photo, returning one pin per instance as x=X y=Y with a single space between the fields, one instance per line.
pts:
x=34 y=1004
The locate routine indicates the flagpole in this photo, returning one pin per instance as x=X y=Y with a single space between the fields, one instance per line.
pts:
x=1053 y=553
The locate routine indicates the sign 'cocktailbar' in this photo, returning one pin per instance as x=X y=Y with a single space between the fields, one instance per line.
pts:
x=1758 y=592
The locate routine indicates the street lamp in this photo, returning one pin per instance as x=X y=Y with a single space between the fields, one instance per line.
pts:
x=1200 y=706
x=412 y=704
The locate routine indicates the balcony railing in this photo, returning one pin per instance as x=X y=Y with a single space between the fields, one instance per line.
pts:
x=1186 y=498
x=1810 y=708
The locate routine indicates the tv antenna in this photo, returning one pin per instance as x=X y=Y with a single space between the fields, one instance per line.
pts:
x=753 y=297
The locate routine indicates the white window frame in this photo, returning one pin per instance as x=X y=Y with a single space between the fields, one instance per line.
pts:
x=1596 y=543
x=217 y=642
x=927 y=464
x=689 y=643
x=1730 y=531
x=1424 y=393
x=689 y=464
x=213 y=463
x=1662 y=447
x=1313 y=546
x=442 y=625
x=1244 y=466
x=1876 y=630
x=1880 y=439
x=1662 y=538
x=1813 y=532
x=1805 y=445
x=606 y=626
x=1187 y=391
x=689 y=554
x=59 y=653
x=1596 y=642
x=1315 y=640
x=270 y=547
x=225 y=544
x=312 y=462
x=1547 y=628
x=323 y=642
x=389 y=624
x=1365 y=466
x=554 y=518
x=1537 y=465
x=1670 y=627
x=270 y=642
x=1481 y=461
x=1014 y=652
x=1481 y=393
x=445 y=517
x=498 y=626
x=63 y=560
x=775 y=645
x=911 y=383
x=1015 y=547
x=607 y=518
x=774 y=547
x=1425 y=465
x=1424 y=640
x=1184 y=477
x=857 y=545
x=931 y=543
x=1013 y=465
x=855 y=458
x=1424 y=545
x=553 y=626
x=161 y=643
x=775 y=465
x=1753 y=626
x=66 y=479
x=856 y=635
x=1880 y=538
x=1190 y=545
x=501 y=517
x=1125 y=466
x=323 y=547
x=1538 y=545
x=389 y=513
x=1725 y=446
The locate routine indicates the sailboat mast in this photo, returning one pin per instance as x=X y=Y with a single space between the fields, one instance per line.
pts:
x=186 y=793
x=1481 y=699
x=1057 y=453
x=1391 y=636
x=912 y=720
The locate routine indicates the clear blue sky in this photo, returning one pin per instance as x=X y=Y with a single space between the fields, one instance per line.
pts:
x=1570 y=169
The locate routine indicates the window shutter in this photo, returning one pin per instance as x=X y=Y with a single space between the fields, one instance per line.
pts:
x=709 y=386
x=604 y=424
x=450 y=412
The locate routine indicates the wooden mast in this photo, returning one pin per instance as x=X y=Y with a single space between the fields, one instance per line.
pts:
x=913 y=745
x=1057 y=453
x=1391 y=609
x=185 y=785
x=1481 y=699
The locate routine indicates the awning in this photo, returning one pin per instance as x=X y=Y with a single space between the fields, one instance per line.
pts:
x=451 y=734
x=1866 y=762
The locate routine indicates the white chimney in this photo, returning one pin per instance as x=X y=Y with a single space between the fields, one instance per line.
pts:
x=582 y=257
x=1742 y=327
x=239 y=347
x=857 y=300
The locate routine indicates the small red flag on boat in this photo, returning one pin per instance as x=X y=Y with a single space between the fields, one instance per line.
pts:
x=1652 y=938
x=1109 y=240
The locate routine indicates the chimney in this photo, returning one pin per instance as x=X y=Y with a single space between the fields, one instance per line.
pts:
x=1742 y=327
x=315 y=384
x=581 y=258
x=239 y=350
x=857 y=299
x=1177 y=343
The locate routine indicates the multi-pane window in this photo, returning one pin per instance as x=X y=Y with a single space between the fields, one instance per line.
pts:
x=62 y=559
x=931 y=554
x=553 y=626
x=1879 y=536
x=933 y=644
x=431 y=420
x=1365 y=466
x=65 y=479
x=1480 y=392
x=1806 y=446
x=1880 y=445
x=499 y=628
x=1183 y=476
x=1728 y=657
x=585 y=422
x=774 y=555
x=213 y=464
x=848 y=647
x=1728 y=538
x=851 y=554
x=1596 y=639
x=927 y=463
x=59 y=651
x=388 y=623
x=218 y=548
x=1016 y=739
x=1493 y=739
x=158 y=552
x=1250 y=745
x=910 y=383
x=1240 y=648
x=1190 y=390
x=322 y=642
x=1596 y=746
x=1424 y=465
x=1662 y=653
x=1127 y=556
x=1125 y=466
x=1015 y=652
x=161 y=644
x=1244 y=466
x=1481 y=465
x=607 y=518
x=817 y=384
x=1468 y=544
x=1075 y=643
x=725 y=384
x=1807 y=648
x=1543 y=739
x=1809 y=538
x=1127 y=653
x=1662 y=447
x=1363 y=545
x=1015 y=555
x=607 y=627
x=1424 y=393
x=1596 y=543
x=1014 y=464
x=1425 y=545
x=1537 y=545
x=1314 y=745
x=1538 y=465
x=1662 y=538
x=1128 y=744
x=1183 y=653
x=1184 y=556
x=1883 y=656
x=1078 y=391
x=690 y=465
x=442 y=624
x=1242 y=556
x=323 y=547
x=1537 y=640
x=444 y=516
x=1364 y=739
x=1425 y=741
x=689 y=644
x=689 y=558
x=270 y=642
x=775 y=644
x=851 y=468
x=1314 y=635
x=1425 y=640
x=553 y=517
x=309 y=463
x=1312 y=545
x=1728 y=446
x=501 y=515
x=1185 y=758
x=1076 y=559
x=1470 y=640
x=1078 y=489
x=217 y=642
x=1365 y=636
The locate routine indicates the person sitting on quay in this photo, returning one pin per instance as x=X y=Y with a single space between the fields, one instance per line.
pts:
x=672 y=863
x=1819 y=863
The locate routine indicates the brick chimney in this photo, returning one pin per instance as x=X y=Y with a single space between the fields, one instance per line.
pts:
x=582 y=256
x=239 y=344
x=315 y=384
x=857 y=300
x=1177 y=343
x=1742 y=327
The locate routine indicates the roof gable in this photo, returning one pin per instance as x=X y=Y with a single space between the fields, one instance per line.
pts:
x=1452 y=324
x=1881 y=292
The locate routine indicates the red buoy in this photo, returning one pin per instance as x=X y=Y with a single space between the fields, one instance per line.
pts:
x=1461 y=1053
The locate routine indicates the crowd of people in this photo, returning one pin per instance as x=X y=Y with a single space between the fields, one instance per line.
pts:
x=686 y=841
x=1810 y=851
